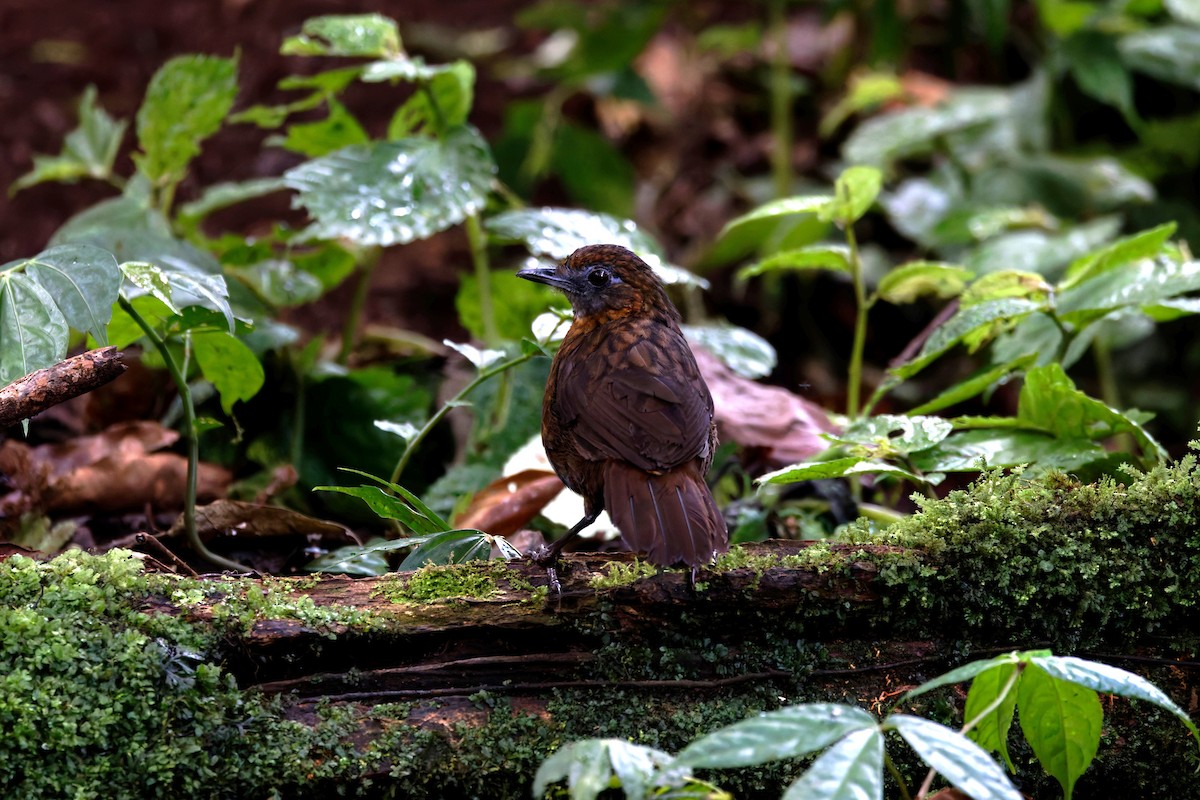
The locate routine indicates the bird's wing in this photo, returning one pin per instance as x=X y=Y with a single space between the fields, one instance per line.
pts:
x=638 y=398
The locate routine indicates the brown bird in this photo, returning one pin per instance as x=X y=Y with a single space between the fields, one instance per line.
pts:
x=627 y=420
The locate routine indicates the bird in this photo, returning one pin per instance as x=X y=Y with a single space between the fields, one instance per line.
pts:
x=627 y=419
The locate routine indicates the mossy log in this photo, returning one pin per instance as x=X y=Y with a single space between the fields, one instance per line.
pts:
x=457 y=681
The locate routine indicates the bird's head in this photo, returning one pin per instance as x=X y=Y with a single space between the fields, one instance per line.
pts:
x=606 y=280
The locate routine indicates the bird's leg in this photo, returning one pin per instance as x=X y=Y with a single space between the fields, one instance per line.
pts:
x=547 y=555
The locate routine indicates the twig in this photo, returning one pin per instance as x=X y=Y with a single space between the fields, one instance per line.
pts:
x=46 y=388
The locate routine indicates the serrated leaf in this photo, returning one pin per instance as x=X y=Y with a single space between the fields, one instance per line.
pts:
x=320 y=137
x=896 y=433
x=991 y=731
x=743 y=351
x=1168 y=52
x=88 y=151
x=906 y=283
x=345 y=35
x=84 y=282
x=976 y=384
x=229 y=365
x=972 y=450
x=960 y=761
x=186 y=102
x=1110 y=680
x=396 y=192
x=555 y=233
x=817 y=256
x=442 y=103
x=854 y=193
x=1061 y=721
x=1143 y=244
x=1147 y=282
x=786 y=733
x=33 y=332
x=981 y=319
x=850 y=770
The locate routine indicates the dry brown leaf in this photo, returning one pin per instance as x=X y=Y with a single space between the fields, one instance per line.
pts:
x=752 y=414
x=237 y=518
x=507 y=504
x=128 y=481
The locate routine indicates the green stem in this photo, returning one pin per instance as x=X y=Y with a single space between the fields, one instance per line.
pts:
x=862 y=306
x=483 y=274
x=367 y=264
x=483 y=376
x=896 y=776
x=189 y=434
x=781 y=100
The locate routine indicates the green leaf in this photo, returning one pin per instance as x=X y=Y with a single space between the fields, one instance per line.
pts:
x=837 y=468
x=866 y=91
x=979 y=321
x=922 y=279
x=279 y=283
x=516 y=304
x=850 y=770
x=151 y=279
x=223 y=195
x=888 y=137
x=1061 y=721
x=965 y=451
x=84 y=282
x=389 y=507
x=443 y=103
x=1143 y=283
x=817 y=256
x=1064 y=17
x=368 y=560
x=960 y=761
x=338 y=129
x=345 y=35
x=786 y=733
x=981 y=381
x=1168 y=52
x=854 y=193
x=1096 y=67
x=186 y=102
x=450 y=547
x=743 y=351
x=965 y=672
x=89 y=151
x=124 y=331
x=991 y=732
x=329 y=263
x=595 y=172
x=33 y=332
x=777 y=209
x=190 y=287
x=1037 y=251
x=395 y=192
x=1118 y=254
x=588 y=767
x=229 y=365
x=1007 y=283
x=555 y=233
x=1110 y=680
x=896 y=434
x=435 y=523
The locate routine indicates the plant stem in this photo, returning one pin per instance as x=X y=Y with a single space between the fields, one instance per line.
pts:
x=411 y=446
x=781 y=100
x=189 y=434
x=896 y=776
x=483 y=274
x=368 y=262
x=862 y=306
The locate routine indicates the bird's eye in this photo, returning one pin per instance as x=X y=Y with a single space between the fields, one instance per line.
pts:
x=599 y=277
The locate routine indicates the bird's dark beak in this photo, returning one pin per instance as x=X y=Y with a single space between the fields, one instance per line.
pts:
x=546 y=275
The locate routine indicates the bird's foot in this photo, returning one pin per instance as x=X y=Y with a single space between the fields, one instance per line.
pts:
x=546 y=557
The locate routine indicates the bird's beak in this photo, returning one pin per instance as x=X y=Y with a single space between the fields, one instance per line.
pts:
x=546 y=275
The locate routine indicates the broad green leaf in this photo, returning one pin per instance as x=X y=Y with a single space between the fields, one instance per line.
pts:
x=516 y=303
x=786 y=733
x=818 y=256
x=1037 y=335
x=395 y=192
x=186 y=102
x=1117 y=254
x=366 y=560
x=971 y=450
x=190 y=287
x=896 y=434
x=743 y=351
x=555 y=233
x=776 y=209
x=279 y=283
x=906 y=283
x=1110 y=680
x=980 y=382
x=150 y=279
x=229 y=366
x=1167 y=52
x=866 y=92
x=1007 y=283
x=982 y=319
x=1064 y=17
x=88 y=151
x=991 y=732
x=1037 y=251
x=329 y=263
x=960 y=761
x=223 y=195
x=449 y=547
x=594 y=171
x=1187 y=11
x=124 y=331
x=588 y=767
x=969 y=223
x=321 y=137
x=882 y=139
x=965 y=672
x=1050 y=401
x=443 y=103
x=1168 y=310
x=838 y=468
x=1096 y=66
x=1147 y=282
x=33 y=332
x=854 y=193
x=1061 y=721
x=389 y=507
x=435 y=523
x=368 y=35
x=84 y=282
x=850 y=770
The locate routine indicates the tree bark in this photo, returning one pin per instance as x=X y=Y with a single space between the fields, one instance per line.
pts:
x=45 y=388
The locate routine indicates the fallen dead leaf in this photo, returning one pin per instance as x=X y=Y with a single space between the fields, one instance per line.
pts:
x=236 y=518
x=507 y=504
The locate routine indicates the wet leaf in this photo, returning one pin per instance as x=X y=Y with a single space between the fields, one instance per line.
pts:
x=1168 y=52
x=88 y=151
x=906 y=283
x=850 y=770
x=960 y=761
x=773 y=735
x=229 y=365
x=320 y=137
x=743 y=351
x=83 y=281
x=345 y=35
x=33 y=332
x=817 y=256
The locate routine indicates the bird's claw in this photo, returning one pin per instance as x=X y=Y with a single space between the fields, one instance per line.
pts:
x=546 y=557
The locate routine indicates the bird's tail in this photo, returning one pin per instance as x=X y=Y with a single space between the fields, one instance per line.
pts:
x=671 y=517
